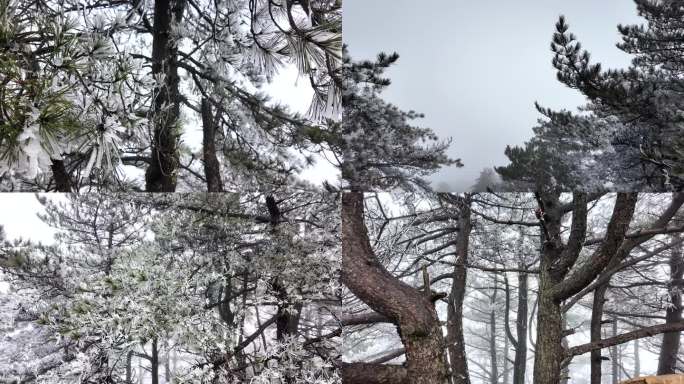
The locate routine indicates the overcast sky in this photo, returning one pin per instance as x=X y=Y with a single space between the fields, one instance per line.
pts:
x=475 y=68
x=19 y=217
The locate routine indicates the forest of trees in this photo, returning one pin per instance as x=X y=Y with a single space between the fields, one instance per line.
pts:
x=191 y=288
x=511 y=288
x=564 y=266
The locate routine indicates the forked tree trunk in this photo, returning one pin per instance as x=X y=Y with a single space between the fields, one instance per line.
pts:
x=556 y=283
x=409 y=309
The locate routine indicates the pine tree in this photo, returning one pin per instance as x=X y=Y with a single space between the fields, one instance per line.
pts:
x=629 y=134
x=378 y=148
x=93 y=89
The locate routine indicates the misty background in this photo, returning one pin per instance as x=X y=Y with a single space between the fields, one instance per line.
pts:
x=475 y=68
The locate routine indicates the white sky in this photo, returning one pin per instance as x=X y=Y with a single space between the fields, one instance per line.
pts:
x=475 y=68
x=287 y=88
x=19 y=217
x=295 y=91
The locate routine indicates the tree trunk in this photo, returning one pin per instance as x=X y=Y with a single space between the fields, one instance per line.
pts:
x=549 y=350
x=61 y=176
x=454 y=337
x=669 y=349
x=595 y=332
x=288 y=315
x=556 y=283
x=162 y=172
x=615 y=360
x=129 y=367
x=506 y=367
x=287 y=322
x=565 y=366
x=212 y=167
x=520 y=361
x=368 y=373
x=154 y=363
x=494 y=368
x=167 y=365
x=409 y=309
x=637 y=359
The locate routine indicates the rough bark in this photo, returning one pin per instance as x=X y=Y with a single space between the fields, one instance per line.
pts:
x=409 y=309
x=454 y=338
x=549 y=350
x=162 y=173
x=367 y=373
x=212 y=167
x=669 y=349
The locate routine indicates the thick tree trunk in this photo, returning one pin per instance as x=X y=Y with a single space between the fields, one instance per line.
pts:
x=556 y=283
x=549 y=349
x=61 y=176
x=669 y=349
x=409 y=309
x=162 y=172
x=212 y=167
x=520 y=361
x=454 y=338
